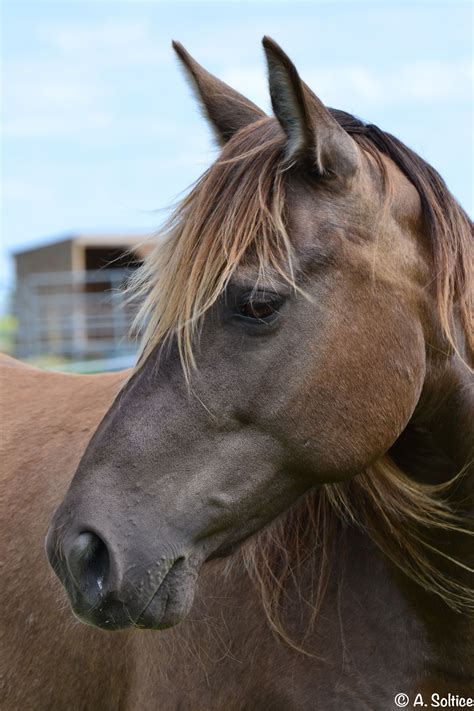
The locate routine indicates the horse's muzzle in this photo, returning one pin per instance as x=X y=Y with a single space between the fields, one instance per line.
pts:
x=102 y=595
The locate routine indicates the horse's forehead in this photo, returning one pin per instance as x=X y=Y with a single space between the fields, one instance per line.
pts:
x=317 y=209
x=318 y=215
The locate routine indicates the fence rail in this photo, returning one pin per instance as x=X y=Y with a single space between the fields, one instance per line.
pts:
x=74 y=315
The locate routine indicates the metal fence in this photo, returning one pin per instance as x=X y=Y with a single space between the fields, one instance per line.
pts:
x=77 y=316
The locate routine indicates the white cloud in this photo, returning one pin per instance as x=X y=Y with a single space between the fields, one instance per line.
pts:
x=46 y=99
x=112 y=43
x=37 y=126
x=69 y=38
x=76 y=85
x=23 y=191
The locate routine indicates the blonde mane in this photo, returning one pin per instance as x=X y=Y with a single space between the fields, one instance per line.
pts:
x=236 y=212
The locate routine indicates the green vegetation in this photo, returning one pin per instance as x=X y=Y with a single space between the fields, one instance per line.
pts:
x=7 y=334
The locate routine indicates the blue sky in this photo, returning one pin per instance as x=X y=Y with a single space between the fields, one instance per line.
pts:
x=100 y=129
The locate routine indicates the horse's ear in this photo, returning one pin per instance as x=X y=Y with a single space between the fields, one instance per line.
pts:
x=226 y=109
x=313 y=135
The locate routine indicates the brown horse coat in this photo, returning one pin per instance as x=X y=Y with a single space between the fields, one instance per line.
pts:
x=301 y=503
x=368 y=641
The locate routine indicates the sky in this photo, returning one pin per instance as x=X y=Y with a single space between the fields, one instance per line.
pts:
x=100 y=132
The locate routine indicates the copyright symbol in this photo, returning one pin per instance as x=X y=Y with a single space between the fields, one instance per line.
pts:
x=402 y=700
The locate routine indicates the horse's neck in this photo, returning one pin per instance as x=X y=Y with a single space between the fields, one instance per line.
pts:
x=438 y=442
x=449 y=408
x=436 y=447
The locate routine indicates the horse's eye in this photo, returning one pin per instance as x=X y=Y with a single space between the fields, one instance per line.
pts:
x=259 y=310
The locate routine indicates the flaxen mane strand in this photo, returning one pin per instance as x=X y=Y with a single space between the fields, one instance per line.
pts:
x=237 y=211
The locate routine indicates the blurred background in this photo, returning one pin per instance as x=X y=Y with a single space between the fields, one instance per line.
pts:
x=100 y=134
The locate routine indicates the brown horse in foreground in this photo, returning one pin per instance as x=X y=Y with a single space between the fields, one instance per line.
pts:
x=287 y=471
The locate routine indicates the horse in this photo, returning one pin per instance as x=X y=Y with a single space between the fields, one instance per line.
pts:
x=273 y=509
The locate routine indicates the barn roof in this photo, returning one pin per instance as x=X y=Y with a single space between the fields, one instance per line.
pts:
x=93 y=239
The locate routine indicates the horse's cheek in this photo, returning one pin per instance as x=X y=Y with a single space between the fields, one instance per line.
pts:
x=356 y=405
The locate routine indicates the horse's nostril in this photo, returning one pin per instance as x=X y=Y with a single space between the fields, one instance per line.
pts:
x=88 y=562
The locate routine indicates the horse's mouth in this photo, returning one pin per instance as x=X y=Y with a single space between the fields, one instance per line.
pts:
x=173 y=598
x=167 y=606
